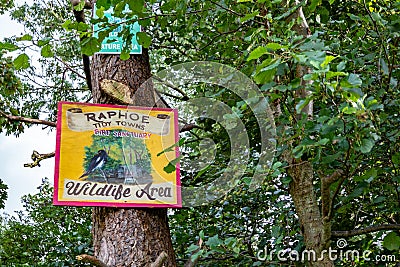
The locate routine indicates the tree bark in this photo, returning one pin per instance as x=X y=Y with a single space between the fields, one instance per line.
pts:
x=128 y=237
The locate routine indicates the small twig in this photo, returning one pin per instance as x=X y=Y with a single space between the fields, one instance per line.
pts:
x=91 y=259
x=37 y=158
x=160 y=260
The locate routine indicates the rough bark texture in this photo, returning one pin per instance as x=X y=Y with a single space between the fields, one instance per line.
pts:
x=316 y=236
x=128 y=237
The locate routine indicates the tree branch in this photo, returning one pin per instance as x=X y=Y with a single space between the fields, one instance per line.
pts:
x=326 y=192
x=188 y=127
x=80 y=17
x=91 y=259
x=160 y=260
x=27 y=120
x=366 y=230
x=37 y=158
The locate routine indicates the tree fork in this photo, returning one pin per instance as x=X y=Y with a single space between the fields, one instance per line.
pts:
x=128 y=237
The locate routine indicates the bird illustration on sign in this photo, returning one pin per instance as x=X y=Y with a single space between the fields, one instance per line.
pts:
x=97 y=163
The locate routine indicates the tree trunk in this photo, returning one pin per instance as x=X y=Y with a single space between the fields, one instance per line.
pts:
x=316 y=229
x=128 y=237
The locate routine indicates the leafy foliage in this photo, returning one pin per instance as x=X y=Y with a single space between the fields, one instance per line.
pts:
x=45 y=235
x=3 y=194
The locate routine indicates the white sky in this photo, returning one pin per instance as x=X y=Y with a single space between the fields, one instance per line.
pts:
x=14 y=152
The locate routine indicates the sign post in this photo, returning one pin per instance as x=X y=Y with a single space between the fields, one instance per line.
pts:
x=116 y=156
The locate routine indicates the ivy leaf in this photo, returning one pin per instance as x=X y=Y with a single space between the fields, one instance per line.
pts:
x=46 y=51
x=21 y=62
x=143 y=39
x=392 y=241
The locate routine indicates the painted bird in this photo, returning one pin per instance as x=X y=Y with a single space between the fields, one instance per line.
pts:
x=97 y=163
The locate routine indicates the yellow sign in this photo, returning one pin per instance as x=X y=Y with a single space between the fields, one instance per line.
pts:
x=116 y=156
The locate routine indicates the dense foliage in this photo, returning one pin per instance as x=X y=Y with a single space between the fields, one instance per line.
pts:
x=353 y=60
x=43 y=234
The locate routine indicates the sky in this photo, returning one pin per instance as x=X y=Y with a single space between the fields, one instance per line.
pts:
x=14 y=152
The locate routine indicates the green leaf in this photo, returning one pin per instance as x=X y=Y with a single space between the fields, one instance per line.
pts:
x=214 y=241
x=100 y=12
x=43 y=42
x=354 y=79
x=201 y=234
x=192 y=248
x=366 y=145
x=331 y=74
x=136 y=5
x=302 y=103
x=392 y=241
x=249 y=16
x=80 y=6
x=25 y=37
x=90 y=46
x=22 y=62
x=8 y=46
x=143 y=39
x=396 y=158
x=256 y=53
x=169 y=168
x=124 y=55
x=66 y=24
x=46 y=51
x=275 y=46
x=384 y=66
x=327 y=60
x=103 y=3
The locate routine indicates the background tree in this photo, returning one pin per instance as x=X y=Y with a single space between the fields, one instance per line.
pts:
x=43 y=234
x=349 y=144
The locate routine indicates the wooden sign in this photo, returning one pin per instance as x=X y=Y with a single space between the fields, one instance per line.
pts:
x=116 y=156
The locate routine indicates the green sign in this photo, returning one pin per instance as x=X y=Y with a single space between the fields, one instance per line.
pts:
x=113 y=43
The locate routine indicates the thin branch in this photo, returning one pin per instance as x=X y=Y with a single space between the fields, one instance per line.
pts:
x=184 y=96
x=69 y=67
x=91 y=259
x=366 y=230
x=37 y=158
x=27 y=120
x=80 y=17
x=188 y=127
